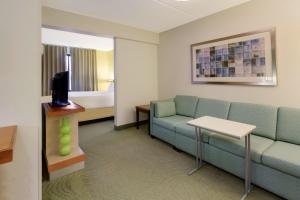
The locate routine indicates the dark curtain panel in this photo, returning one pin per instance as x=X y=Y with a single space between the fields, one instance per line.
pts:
x=53 y=61
x=84 y=70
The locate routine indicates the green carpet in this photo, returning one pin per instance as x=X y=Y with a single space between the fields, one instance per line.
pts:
x=129 y=165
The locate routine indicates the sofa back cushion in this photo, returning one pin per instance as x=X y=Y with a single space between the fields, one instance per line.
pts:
x=186 y=105
x=165 y=109
x=262 y=116
x=212 y=107
x=288 y=125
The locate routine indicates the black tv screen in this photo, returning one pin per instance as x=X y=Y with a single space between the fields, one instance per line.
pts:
x=60 y=89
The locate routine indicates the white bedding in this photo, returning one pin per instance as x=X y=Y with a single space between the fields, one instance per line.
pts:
x=93 y=99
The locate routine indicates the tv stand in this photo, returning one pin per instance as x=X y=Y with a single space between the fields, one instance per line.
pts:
x=57 y=164
x=60 y=104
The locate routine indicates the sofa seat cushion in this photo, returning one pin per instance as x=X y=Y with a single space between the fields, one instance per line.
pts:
x=235 y=146
x=284 y=157
x=189 y=131
x=170 y=122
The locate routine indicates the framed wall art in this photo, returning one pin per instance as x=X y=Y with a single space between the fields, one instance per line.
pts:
x=247 y=59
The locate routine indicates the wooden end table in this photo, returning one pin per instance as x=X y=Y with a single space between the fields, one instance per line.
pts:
x=144 y=109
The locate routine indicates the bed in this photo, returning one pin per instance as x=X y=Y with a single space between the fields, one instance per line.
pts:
x=98 y=105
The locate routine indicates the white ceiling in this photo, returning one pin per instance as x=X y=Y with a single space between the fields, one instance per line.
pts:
x=70 y=39
x=152 y=15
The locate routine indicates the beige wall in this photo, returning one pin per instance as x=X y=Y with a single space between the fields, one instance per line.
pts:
x=136 y=78
x=57 y=18
x=174 y=52
x=20 y=89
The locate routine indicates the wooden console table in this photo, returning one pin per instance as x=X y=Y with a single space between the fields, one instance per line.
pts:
x=7 y=140
x=57 y=164
x=144 y=109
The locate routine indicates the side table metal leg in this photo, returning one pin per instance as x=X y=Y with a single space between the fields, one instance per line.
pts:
x=137 y=118
x=200 y=147
x=198 y=154
x=247 y=167
x=149 y=131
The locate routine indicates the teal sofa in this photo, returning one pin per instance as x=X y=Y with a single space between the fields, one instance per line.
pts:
x=275 y=143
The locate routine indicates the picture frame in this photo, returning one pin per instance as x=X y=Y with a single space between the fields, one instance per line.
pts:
x=242 y=59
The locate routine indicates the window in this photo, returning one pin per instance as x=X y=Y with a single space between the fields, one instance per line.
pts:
x=68 y=66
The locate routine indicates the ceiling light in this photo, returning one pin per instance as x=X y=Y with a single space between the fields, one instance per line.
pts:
x=182 y=0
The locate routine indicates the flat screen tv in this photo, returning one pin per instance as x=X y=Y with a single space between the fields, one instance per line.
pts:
x=60 y=89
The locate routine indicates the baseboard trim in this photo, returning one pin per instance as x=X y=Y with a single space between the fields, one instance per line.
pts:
x=125 y=126
x=95 y=121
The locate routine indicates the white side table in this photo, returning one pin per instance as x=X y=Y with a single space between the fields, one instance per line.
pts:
x=228 y=128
